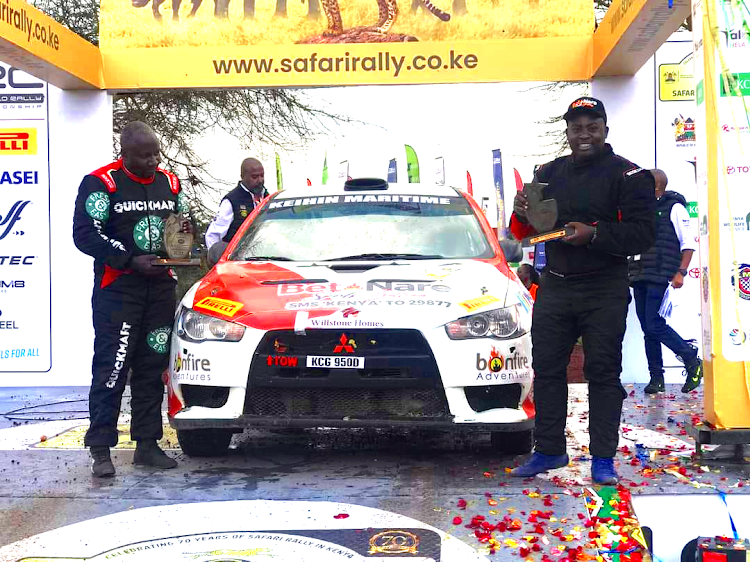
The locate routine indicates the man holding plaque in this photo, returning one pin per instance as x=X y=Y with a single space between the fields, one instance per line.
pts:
x=119 y=219
x=607 y=207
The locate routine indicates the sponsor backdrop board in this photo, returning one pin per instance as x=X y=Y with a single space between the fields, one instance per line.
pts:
x=733 y=104
x=676 y=154
x=722 y=65
x=338 y=42
x=25 y=312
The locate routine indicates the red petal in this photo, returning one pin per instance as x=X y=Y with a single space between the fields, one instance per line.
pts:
x=457 y=520
x=523 y=552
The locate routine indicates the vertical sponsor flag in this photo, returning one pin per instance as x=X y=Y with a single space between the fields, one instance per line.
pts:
x=279 y=180
x=309 y=183
x=497 y=174
x=412 y=165
x=469 y=186
x=440 y=170
x=325 y=169
x=392 y=171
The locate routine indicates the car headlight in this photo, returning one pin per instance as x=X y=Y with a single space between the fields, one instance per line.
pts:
x=197 y=327
x=502 y=323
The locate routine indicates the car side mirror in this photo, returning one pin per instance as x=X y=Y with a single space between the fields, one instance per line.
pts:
x=215 y=252
x=513 y=250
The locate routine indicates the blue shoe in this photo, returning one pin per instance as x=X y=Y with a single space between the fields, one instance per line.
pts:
x=603 y=471
x=539 y=463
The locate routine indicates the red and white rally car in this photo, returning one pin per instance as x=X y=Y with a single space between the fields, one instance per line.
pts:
x=362 y=305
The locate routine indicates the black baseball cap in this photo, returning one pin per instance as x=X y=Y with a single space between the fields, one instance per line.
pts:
x=586 y=104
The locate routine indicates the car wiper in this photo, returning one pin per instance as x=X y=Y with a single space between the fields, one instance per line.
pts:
x=265 y=258
x=388 y=257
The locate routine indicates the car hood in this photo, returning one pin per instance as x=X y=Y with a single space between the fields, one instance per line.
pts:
x=276 y=295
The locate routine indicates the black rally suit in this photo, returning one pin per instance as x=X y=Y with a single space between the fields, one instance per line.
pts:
x=117 y=216
x=584 y=291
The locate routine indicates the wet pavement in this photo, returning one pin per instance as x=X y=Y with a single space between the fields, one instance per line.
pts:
x=432 y=477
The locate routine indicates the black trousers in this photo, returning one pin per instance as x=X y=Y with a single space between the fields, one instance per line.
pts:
x=133 y=319
x=594 y=307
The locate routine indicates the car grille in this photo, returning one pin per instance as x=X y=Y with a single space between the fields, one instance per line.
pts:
x=353 y=403
x=207 y=396
x=483 y=398
x=400 y=378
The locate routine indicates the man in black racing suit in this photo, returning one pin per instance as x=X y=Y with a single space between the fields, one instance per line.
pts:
x=608 y=202
x=119 y=216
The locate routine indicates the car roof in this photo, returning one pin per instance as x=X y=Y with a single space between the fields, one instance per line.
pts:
x=337 y=188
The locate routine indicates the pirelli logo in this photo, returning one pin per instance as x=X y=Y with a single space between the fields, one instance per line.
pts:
x=222 y=306
x=479 y=302
x=17 y=142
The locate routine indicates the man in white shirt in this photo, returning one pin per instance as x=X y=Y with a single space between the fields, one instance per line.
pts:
x=238 y=203
x=651 y=273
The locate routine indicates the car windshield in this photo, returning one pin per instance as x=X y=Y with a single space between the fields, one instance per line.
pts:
x=364 y=227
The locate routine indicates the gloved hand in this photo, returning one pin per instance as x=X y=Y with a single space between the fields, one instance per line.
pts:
x=142 y=265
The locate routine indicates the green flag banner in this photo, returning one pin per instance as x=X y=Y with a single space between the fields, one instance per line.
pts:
x=412 y=165
x=325 y=169
x=279 y=179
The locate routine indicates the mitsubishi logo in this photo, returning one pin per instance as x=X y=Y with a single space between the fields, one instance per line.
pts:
x=345 y=345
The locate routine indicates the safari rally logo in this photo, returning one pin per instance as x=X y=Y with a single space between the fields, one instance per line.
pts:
x=147 y=233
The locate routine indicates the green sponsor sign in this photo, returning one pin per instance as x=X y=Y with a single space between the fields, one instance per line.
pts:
x=700 y=93
x=735 y=84
x=692 y=208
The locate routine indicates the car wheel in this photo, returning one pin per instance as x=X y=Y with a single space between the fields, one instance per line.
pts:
x=209 y=442
x=514 y=443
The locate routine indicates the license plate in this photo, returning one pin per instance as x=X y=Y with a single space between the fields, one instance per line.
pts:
x=324 y=362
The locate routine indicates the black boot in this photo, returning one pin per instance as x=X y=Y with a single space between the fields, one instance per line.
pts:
x=101 y=463
x=148 y=453
x=655 y=385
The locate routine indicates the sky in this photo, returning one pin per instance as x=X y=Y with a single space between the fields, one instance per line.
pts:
x=463 y=123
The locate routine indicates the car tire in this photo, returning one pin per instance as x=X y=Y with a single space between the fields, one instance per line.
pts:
x=512 y=443
x=210 y=442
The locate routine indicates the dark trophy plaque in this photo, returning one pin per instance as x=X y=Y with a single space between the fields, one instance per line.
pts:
x=176 y=244
x=542 y=215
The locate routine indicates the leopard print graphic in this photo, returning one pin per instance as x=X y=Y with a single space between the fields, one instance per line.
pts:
x=387 y=13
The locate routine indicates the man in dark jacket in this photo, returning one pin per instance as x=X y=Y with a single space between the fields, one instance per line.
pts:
x=238 y=203
x=608 y=202
x=119 y=221
x=667 y=262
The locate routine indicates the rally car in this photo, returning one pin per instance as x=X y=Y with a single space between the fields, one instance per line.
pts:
x=362 y=305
